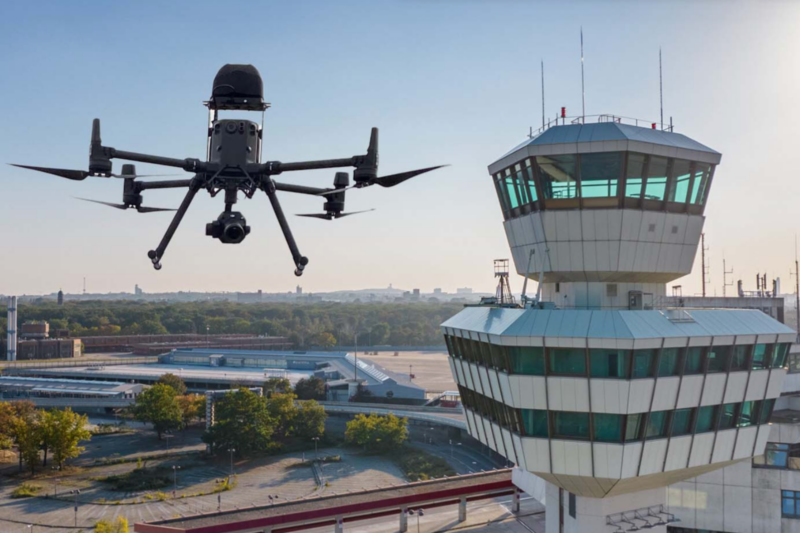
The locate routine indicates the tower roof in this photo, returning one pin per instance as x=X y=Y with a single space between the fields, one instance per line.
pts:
x=607 y=137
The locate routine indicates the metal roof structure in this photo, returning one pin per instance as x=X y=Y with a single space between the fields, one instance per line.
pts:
x=607 y=137
x=618 y=324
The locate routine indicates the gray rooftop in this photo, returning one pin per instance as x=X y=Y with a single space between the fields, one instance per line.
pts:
x=616 y=324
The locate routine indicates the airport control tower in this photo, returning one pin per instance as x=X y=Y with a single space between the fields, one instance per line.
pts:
x=601 y=395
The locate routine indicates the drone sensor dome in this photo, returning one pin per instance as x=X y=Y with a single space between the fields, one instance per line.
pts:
x=238 y=87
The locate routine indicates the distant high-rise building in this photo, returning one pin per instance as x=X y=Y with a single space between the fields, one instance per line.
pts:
x=299 y=290
x=437 y=291
x=464 y=290
x=137 y=291
x=60 y=297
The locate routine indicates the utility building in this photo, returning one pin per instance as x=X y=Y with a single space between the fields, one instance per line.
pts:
x=602 y=394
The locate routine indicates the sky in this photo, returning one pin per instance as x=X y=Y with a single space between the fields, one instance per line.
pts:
x=447 y=82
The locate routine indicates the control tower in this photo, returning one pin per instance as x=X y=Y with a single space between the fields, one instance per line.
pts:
x=601 y=395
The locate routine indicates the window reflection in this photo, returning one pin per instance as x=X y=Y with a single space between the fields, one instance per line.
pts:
x=558 y=176
x=634 y=176
x=656 y=186
x=682 y=179
x=600 y=174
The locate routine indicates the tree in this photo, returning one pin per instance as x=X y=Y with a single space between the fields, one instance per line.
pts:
x=379 y=333
x=242 y=423
x=324 y=340
x=158 y=405
x=173 y=381
x=28 y=436
x=282 y=410
x=192 y=406
x=280 y=385
x=379 y=433
x=309 y=420
x=63 y=431
x=120 y=525
x=312 y=388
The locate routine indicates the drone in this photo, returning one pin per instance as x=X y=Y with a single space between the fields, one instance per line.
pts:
x=232 y=166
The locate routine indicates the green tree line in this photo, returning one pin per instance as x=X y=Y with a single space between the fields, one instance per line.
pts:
x=324 y=324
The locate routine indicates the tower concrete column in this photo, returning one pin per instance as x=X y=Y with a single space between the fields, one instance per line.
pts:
x=515 y=502
x=339 y=524
x=462 y=509
x=404 y=520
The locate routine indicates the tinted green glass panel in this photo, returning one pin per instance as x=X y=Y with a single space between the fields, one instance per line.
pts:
x=570 y=425
x=567 y=361
x=633 y=428
x=766 y=411
x=699 y=184
x=600 y=174
x=760 y=353
x=643 y=363
x=656 y=425
x=634 y=176
x=668 y=364
x=681 y=422
x=694 y=360
x=512 y=192
x=779 y=355
x=728 y=416
x=608 y=428
x=705 y=419
x=718 y=357
x=740 y=355
x=534 y=196
x=527 y=360
x=656 y=186
x=609 y=363
x=682 y=178
x=749 y=414
x=535 y=422
x=558 y=176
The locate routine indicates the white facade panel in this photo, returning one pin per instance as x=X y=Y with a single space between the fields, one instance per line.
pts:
x=641 y=392
x=678 y=453
x=701 y=449
x=630 y=459
x=666 y=394
x=775 y=383
x=654 y=455
x=558 y=456
x=738 y=509
x=607 y=460
x=723 y=446
x=713 y=389
x=757 y=385
x=745 y=442
x=689 y=395
x=737 y=384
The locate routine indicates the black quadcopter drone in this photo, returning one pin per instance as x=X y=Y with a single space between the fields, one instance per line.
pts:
x=233 y=164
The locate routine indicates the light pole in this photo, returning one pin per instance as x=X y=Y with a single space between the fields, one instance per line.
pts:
x=208 y=341
x=175 y=479
x=418 y=512
x=316 y=440
x=30 y=527
x=231 y=451
x=77 y=493
x=56 y=469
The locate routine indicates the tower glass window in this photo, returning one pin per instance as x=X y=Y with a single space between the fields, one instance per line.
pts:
x=531 y=183
x=656 y=185
x=570 y=425
x=741 y=353
x=694 y=360
x=717 y=358
x=607 y=428
x=760 y=357
x=526 y=360
x=511 y=190
x=633 y=427
x=634 y=177
x=728 y=416
x=600 y=174
x=748 y=416
x=681 y=181
x=567 y=361
x=558 y=176
x=706 y=416
x=668 y=362
x=779 y=355
x=534 y=421
x=609 y=363
x=681 y=422
x=656 y=425
x=700 y=183
x=643 y=363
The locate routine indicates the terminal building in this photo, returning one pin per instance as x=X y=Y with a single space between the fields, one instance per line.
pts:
x=621 y=410
x=205 y=370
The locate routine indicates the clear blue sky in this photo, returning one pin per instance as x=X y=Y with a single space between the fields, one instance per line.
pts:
x=447 y=81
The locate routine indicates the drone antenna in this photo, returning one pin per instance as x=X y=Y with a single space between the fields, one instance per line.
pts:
x=660 y=88
x=542 y=94
x=583 y=90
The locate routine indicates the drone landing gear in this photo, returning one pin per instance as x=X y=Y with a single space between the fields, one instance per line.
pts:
x=300 y=260
x=156 y=255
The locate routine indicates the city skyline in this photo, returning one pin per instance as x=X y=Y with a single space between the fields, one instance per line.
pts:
x=727 y=74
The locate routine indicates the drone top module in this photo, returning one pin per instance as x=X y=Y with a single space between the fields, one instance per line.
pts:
x=233 y=165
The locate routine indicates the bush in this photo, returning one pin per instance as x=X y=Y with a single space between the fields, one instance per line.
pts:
x=120 y=525
x=418 y=465
x=140 y=479
x=26 y=490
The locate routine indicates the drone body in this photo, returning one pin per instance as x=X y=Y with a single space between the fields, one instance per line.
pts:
x=232 y=166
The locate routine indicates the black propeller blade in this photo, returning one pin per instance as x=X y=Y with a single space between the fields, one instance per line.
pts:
x=76 y=175
x=140 y=208
x=331 y=215
x=385 y=181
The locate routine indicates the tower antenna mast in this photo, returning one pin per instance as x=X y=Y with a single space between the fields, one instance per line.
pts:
x=703 y=267
x=543 y=94
x=796 y=275
x=583 y=87
x=661 y=99
x=725 y=273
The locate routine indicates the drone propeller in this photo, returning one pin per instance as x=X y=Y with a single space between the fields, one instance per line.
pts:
x=141 y=209
x=76 y=175
x=385 y=181
x=330 y=215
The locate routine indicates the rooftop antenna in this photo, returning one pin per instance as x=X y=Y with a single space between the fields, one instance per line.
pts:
x=796 y=285
x=703 y=267
x=661 y=98
x=725 y=273
x=583 y=90
x=84 y=285
x=503 y=294
x=542 y=94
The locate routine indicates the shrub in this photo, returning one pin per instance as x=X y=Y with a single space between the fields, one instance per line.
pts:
x=26 y=490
